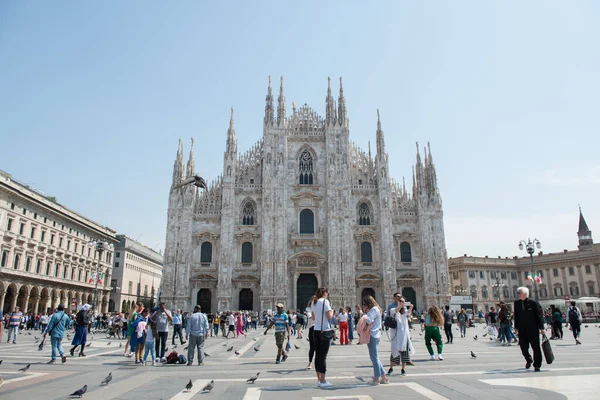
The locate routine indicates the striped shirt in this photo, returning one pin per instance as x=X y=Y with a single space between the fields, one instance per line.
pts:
x=15 y=318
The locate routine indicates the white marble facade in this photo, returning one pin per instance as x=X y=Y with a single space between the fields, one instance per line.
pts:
x=304 y=207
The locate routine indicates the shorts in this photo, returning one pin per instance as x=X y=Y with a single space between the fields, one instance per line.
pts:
x=231 y=328
x=298 y=327
x=279 y=339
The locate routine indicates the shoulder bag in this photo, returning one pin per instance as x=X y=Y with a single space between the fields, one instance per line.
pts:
x=328 y=335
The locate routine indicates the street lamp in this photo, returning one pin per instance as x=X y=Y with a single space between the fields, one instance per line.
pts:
x=497 y=285
x=460 y=291
x=530 y=247
x=100 y=245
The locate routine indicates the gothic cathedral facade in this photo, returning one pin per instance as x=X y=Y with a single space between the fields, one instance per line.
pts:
x=304 y=208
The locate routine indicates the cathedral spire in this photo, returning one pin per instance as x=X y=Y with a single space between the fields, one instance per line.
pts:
x=231 y=139
x=330 y=116
x=191 y=165
x=430 y=174
x=281 y=105
x=178 y=165
x=419 y=173
x=584 y=234
x=341 y=105
x=380 y=138
x=269 y=110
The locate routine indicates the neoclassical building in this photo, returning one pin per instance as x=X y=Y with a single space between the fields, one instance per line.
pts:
x=137 y=271
x=566 y=275
x=304 y=207
x=44 y=257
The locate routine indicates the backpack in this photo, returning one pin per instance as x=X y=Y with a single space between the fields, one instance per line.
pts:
x=573 y=314
x=182 y=359
x=172 y=358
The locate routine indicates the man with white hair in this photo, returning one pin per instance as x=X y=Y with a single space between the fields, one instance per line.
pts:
x=529 y=324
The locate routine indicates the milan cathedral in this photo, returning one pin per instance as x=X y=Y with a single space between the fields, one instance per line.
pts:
x=303 y=208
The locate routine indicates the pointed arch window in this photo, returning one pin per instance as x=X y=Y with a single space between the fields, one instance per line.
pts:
x=307 y=221
x=206 y=253
x=364 y=214
x=405 y=252
x=247 y=253
x=366 y=252
x=306 y=168
x=248 y=214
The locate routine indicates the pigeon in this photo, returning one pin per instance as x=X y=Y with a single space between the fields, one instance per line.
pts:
x=229 y=349
x=189 y=386
x=225 y=344
x=36 y=338
x=475 y=337
x=254 y=378
x=25 y=368
x=491 y=338
x=166 y=349
x=420 y=334
x=473 y=355
x=206 y=355
x=175 y=346
x=586 y=326
x=297 y=347
x=237 y=353
x=106 y=380
x=120 y=345
x=209 y=387
x=185 y=348
x=360 y=378
x=256 y=348
x=255 y=339
x=485 y=334
x=307 y=339
x=79 y=392
x=108 y=344
x=89 y=344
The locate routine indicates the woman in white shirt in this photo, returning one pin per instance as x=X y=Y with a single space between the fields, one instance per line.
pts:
x=373 y=311
x=402 y=347
x=322 y=313
x=343 y=319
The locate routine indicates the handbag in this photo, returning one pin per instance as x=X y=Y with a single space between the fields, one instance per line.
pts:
x=390 y=322
x=328 y=335
x=547 y=349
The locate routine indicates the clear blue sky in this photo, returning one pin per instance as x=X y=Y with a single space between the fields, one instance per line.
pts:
x=94 y=97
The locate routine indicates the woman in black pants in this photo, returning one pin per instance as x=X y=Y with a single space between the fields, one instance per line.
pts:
x=322 y=313
x=311 y=338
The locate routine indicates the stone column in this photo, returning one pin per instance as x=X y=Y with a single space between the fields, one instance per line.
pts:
x=2 y=297
x=581 y=283
x=26 y=304
x=13 y=303
x=36 y=304
x=565 y=284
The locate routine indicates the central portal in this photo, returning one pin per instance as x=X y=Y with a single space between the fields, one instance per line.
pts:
x=246 y=300
x=305 y=289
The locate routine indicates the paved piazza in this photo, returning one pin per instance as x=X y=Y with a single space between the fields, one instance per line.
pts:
x=496 y=373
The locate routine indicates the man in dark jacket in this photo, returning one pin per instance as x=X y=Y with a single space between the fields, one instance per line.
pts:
x=529 y=323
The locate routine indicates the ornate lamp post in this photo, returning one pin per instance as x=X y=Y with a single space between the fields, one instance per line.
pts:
x=100 y=246
x=530 y=247
x=460 y=291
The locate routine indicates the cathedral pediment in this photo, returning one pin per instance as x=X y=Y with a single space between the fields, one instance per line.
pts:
x=206 y=235
x=306 y=199
x=404 y=237
x=204 y=277
x=307 y=258
x=365 y=234
x=248 y=232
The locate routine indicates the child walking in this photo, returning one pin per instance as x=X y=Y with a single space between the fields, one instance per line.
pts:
x=151 y=333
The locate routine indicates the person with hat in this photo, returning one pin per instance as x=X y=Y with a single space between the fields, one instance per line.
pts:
x=56 y=329
x=282 y=326
x=82 y=320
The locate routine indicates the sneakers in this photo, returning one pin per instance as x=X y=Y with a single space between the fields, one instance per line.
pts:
x=440 y=357
x=390 y=370
x=432 y=358
x=63 y=358
x=200 y=364
x=51 y=362
x=325 y=384
x=157 y=359
x=528 y=365
x=537 y=369
x=374 y=382
x=284 y=358
x=153 y=364
x=163 y=360
x=277 y=362
x=403 y=372
x=189 y=363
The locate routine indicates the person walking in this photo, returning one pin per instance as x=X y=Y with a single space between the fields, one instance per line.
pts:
x=82 y=320
x=373 y=311
x=177 y=324
x=56 y=330
x=448 y=325
x=503 y=319
x=350 y=324
x=343 y=320
x=149 y=347
x=162 y=316
x=574 y=318
x=462 y=322
x=433 y=321
x=215 y=324
x=557 y=322
x=282 y=326
x=14 y=320
x=311 y=337
x=321 y=314
x=402 y=347
x=529 y=324
x=299 y=323
x=196 y=331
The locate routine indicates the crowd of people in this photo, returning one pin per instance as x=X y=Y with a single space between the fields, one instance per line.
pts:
x=147 y=330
